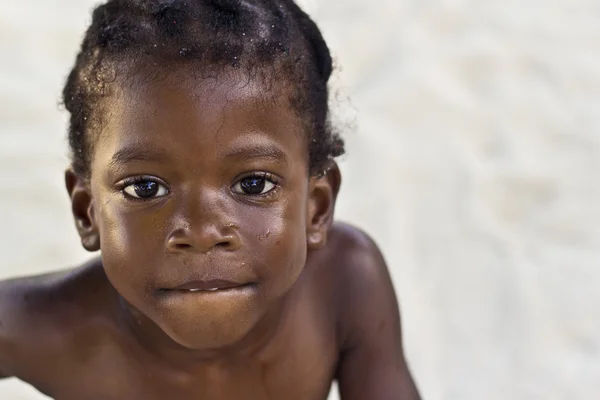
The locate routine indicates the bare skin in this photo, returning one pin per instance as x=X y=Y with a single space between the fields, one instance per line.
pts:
x=222 y=275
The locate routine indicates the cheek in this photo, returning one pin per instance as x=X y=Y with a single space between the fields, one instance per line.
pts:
x=277 y=243
x=129 y=242
x=126 y=229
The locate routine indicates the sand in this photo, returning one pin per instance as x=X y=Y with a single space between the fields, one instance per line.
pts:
x=473 y=160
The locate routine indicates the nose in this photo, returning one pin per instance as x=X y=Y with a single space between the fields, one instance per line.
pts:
x=201 y=229
x=201 y=239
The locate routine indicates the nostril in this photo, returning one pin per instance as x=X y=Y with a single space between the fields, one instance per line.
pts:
x=202 y=241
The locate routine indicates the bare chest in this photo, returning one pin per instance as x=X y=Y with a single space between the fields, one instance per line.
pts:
x=300 y=366
x=301 y=373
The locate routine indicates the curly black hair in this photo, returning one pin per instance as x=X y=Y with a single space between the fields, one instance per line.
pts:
x=269 y=39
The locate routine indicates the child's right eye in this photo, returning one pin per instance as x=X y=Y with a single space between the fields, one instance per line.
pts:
x=144 y=188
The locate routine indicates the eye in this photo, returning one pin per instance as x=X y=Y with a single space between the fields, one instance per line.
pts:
x=255 y=185
x=144 y=188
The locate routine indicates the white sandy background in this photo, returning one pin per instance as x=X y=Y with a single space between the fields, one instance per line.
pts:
x=473 y=159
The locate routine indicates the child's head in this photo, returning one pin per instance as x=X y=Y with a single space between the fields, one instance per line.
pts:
x=199 y=132
x=269 y=40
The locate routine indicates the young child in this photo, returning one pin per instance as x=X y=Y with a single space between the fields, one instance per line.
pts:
x=202 y=167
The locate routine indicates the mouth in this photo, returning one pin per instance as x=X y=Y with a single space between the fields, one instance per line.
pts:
x=208 y=286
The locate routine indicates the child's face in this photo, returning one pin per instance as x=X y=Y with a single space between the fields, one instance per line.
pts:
x=204 y=184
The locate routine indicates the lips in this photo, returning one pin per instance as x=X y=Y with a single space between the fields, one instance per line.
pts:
x=207 y=286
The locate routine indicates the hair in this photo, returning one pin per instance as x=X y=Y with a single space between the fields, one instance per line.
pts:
x=271 y=40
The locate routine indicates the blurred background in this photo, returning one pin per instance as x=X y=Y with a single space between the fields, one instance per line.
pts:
x=473 y=141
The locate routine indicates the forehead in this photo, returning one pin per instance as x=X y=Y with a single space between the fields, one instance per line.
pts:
x=201 y=119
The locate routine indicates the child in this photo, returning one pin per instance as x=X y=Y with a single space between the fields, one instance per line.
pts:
x=202 y=167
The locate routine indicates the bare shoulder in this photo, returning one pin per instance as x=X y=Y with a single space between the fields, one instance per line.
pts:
x=350 y=272
x=359 y=267
x=38 y=314
x=356 y=260
x=371 y=357
x=345 y=233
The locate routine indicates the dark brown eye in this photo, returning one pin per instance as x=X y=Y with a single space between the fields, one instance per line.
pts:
x=254 y=185
x=145 y=189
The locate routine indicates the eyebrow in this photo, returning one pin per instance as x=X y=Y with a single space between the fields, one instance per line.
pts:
x=132 y=154
x=264 y=151
x=261 y=151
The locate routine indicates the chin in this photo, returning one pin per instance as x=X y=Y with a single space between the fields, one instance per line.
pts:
x=208 y=335
x=209 y=339
x=205 y=321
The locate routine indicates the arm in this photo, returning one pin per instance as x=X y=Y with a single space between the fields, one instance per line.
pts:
x=5 y=348
x=3 y=375
x=372 y=364
x=24 y=330
x=2 y=350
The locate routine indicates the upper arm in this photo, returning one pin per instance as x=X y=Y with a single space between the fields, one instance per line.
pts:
x=372 y=364
x=3 y=374
x=24 y=327
x=3 y=351
x=7 y=331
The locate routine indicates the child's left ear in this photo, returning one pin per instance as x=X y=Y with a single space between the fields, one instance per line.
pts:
x=322 y=193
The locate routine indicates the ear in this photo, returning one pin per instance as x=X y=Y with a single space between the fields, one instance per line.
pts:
x=323 y=191
x=82 y=207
